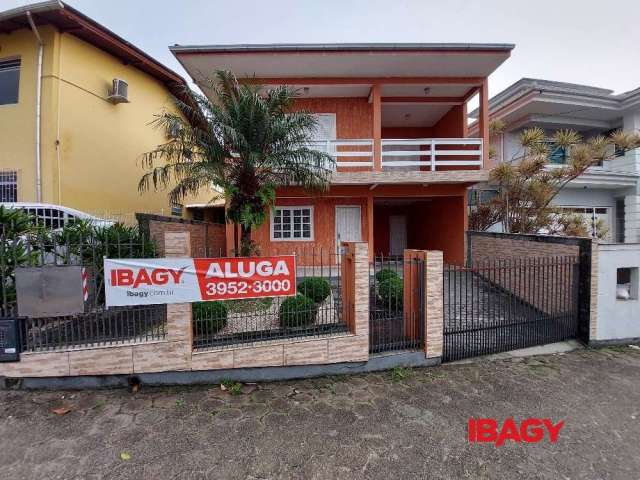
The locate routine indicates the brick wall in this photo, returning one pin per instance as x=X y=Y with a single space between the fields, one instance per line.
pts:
x=544 y=271
x=207 y=239
x=483 y=246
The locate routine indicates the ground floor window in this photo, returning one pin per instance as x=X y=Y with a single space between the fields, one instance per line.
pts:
x=8 y=186
x=176 y=209
x=597 y=218
x=292 y=223
x=477 y=197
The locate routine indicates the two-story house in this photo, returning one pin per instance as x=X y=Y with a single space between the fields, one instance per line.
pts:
x=394 y=117
x=69 y=135
x=611 y=191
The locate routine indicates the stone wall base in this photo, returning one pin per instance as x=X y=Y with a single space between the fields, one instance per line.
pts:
x=211 y=377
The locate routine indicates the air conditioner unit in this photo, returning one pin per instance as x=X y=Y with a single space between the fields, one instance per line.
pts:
x=119 y=92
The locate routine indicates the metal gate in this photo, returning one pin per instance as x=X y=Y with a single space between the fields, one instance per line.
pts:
x=500 y=305
x=396 y=310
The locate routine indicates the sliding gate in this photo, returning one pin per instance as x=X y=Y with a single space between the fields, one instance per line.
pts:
x=502 y=305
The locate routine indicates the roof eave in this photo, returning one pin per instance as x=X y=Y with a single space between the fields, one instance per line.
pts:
x=344 y=47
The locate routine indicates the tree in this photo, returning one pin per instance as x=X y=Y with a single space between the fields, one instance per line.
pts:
x=247 y=141
x=528 y=183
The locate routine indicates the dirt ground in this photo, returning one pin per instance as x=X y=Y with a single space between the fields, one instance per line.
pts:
x=398 y=424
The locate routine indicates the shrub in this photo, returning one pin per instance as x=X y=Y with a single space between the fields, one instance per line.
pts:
x=209 y=317
x=385 y=274
x=391 y=291
x=315 y=288
x=297 y=311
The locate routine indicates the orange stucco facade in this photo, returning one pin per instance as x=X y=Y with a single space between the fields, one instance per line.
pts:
x=435 y=214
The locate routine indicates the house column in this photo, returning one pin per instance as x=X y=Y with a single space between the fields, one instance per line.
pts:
x=376 y=134
x=632 y=219
x=483 y=121
x=370 y=233
x=631 y=160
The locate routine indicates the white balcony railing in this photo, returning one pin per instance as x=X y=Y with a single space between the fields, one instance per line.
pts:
x=405 y=154
x=432 y=152
x=347 y=153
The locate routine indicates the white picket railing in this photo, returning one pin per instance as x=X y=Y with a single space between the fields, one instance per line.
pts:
x=415 y=152
x=432 y=152
x=345 y=152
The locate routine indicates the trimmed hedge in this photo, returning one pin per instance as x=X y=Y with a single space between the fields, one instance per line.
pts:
x=298 y=311
x=209 y=317
x=385 y=274
x=391 y=291
x=315 y=288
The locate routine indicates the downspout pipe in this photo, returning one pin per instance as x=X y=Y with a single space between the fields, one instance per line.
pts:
x=38 y=108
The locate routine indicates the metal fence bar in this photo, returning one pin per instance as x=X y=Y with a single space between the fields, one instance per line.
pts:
x=501 y=304
x=314 y=312
x=97 y=325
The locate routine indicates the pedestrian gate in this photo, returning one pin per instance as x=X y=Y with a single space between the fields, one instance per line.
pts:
x=397 y=297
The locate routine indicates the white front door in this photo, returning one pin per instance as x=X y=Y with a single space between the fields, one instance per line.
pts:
x=347 y=225
x=397 y=234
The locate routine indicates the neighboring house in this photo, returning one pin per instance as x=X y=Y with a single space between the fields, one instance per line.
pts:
x=66 y=137
x=394 y=116
x=610 y=192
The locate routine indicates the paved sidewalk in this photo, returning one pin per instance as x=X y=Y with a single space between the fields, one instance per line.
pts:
x=391 y=425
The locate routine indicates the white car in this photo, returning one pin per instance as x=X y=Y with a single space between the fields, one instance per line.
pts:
x=55 y=216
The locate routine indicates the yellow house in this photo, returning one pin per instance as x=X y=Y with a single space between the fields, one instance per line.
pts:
x=66 y=137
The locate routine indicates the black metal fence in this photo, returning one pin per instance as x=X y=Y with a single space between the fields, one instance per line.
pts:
x=85 y=246
x=316 y=309
x=396 y=308
x=500 y=305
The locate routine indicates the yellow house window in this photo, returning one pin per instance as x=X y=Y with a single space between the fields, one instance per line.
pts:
x=9 y=81
x=8 y=186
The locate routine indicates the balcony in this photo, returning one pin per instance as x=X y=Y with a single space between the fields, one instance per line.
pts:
x=405 y=155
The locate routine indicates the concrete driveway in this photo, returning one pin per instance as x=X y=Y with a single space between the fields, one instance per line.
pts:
x=401 y=424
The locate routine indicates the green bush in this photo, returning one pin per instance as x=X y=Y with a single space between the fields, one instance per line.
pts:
x=298 y=311
x=391 y=291
x=315 y=288
x=209 y=317
x=385 y=274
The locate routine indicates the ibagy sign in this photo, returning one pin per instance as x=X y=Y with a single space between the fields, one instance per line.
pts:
x=150 y=281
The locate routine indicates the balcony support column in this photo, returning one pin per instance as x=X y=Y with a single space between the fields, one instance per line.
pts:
x=483 y=122
x=376 y=134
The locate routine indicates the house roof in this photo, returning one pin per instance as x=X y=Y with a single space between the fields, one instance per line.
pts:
x=544 y=101
x=345 y=60
x=68 y=19
x=345 y=47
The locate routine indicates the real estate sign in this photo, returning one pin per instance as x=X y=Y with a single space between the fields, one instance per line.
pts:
x=150 y=281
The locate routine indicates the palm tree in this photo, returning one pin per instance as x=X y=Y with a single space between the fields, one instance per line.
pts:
x=246 y=141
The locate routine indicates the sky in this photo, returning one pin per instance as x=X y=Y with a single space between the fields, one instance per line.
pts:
x=580 y=41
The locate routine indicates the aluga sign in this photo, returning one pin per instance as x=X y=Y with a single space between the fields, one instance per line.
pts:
x=148 y=281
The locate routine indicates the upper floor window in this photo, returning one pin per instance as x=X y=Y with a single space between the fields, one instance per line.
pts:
x=8 y=186
x=9 y=81
x=557 y=154
x=619 y=151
